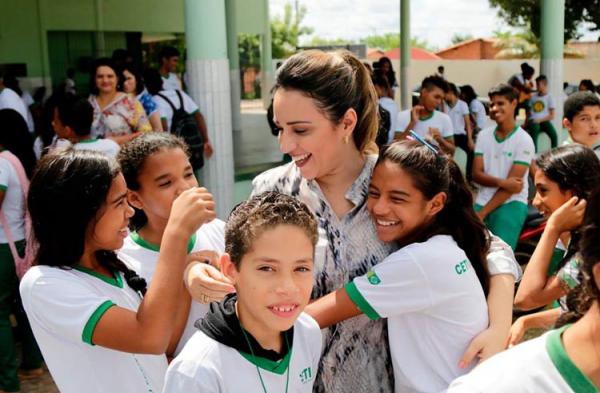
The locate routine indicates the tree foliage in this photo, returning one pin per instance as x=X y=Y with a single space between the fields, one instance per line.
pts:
x=287 y=30
x=457 y=38
x=527 y=13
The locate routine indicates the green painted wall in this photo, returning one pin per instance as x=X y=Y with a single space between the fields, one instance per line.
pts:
x=24 y=24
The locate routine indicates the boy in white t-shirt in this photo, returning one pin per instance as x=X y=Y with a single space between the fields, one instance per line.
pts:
x=503 y=155
x=168 y=58
x=425 y=119
x=582 y=119
x=258 y=340
x=541 y=113
x=458 y=110
x=73 y=118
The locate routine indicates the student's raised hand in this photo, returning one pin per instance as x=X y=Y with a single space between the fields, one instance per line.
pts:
x=191 y=209
x=415 y=113
x=485 y=344
x=512 y=184
x=206 y=283
x=569 y=216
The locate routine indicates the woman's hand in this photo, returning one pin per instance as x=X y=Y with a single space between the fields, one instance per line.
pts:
x=517 y=331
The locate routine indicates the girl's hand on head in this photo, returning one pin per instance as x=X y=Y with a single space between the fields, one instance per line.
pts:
x=569 y=216
x=191 y=209
x=487 y=343
x=206 y=283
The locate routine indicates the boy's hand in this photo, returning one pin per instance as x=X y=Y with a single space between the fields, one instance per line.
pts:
x=512 y=184
x=435 y=133
x=569 y=216
x=415 y=113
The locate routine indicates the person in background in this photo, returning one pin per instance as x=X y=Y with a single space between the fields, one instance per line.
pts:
x=132 y=83
x=12 y=82
x=458 y=110
x=541 y=113
x=478 y=115
x=116 y=115
x=440 y=72
x=10 y=99
x=168 y=58
x=387 y=69
x=388 y=104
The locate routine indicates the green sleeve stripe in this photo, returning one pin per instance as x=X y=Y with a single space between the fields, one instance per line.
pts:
x=521 y=163
x=88 y=330
x=478 y=153
x=360 y=301
x=3 y=187
x=449 y=138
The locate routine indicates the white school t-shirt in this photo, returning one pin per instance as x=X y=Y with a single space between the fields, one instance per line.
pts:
x=171 y=82
x=457 y=114
x=437 y=120
x=63 y=307
x=143 y=258
x=106 y=146
x=435 y=306
x=13 y=205
x=165 y=110
x=207 y=366
x=9 y=99
x=540 y=365
x=478 y=111
x=540 y=106
x=499 y=156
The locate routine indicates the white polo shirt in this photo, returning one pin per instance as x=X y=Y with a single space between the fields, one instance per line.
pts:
x=171 y=82
x=539 y=365
x=13 y=204
x=457 y=114
x=63 y=308
x=478 y=111
x=143 y=258
x=540 y=106
x=106 y=146
x=437 y=120
x=499 y=155
x=205 y=365
x=435 y=306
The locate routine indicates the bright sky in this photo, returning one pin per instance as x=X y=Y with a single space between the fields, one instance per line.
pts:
x=435 y=21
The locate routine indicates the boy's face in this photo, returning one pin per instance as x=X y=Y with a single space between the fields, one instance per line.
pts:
x=58 y=126
x=542 y=87
x=171 y=63
x=501 y=109
x=275 y=279
x=585 y=127
x=432 y=98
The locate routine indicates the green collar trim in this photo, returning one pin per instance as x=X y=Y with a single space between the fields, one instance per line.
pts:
x=572 y=375
x=91 y=140
x=278 y=368
x=500 y=140
x=116 y=281
x=427 y=117
x=156 y=247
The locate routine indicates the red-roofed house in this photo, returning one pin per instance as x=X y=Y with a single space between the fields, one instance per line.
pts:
x=415 y=54
x=475 y=49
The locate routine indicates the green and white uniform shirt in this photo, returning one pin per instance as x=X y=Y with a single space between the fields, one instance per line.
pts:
x=437 y=119
x=540 y=106
x=208 y=366
x=540 y=365
x=569 y=276
x=63 y=307
x=434 y=305
x=13 y=204
x=143 y=257
x=499 y=155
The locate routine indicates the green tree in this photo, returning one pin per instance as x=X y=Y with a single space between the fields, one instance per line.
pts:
x=527 y=14
x=287 y=30
x=457 y=38
x=389 y=41
x=318 y=41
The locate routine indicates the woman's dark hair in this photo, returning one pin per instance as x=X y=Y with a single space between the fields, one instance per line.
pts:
x=336 y=81
x=67 y=195
x=102 y=62
x=137 y=74
x=588 y=85
x=468 y=93
x=581 y=298
x=15 y=137
x=574 y=168
x=132 y=157
x=153 y=81
x=265 y=211
x=432 y=173
x=390 y=75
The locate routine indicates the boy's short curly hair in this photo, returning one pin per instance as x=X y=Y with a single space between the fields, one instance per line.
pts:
x=265 y=211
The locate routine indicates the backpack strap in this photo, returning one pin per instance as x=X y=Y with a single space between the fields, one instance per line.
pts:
x=168 y=101
x=180 y=100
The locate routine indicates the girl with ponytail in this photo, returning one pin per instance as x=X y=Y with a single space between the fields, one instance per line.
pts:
x=98 y=328
x=433 y=289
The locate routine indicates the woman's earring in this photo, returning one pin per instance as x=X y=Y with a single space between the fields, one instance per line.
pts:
x=347 y=139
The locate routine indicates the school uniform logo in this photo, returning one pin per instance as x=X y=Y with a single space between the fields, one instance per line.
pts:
x=373 y=278
x=538 y=106
x=461 y=267
x=306 y=375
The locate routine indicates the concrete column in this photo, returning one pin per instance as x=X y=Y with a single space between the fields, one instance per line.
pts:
x=405 y=88
x=100 y=44
x=552 y=44
x=266 y=56
x=208 y=70
x=234 y=63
